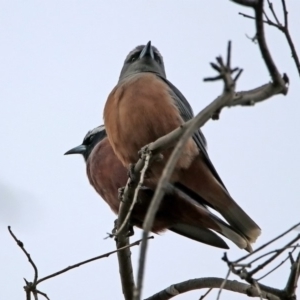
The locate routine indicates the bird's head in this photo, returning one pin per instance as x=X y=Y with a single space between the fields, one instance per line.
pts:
x=92 y=138
x=144 y=58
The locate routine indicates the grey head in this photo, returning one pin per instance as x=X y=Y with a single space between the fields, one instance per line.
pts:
x=143 y=58
x=91 y=139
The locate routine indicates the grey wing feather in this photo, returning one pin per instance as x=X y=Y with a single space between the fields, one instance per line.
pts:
x=186 y=113
x=200 y=234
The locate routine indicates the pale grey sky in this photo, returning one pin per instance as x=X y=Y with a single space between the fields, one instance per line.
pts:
x=59 y=60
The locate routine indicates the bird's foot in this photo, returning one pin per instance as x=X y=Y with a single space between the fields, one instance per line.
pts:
x=121 y=193
x=130 y=173
x=114 y=231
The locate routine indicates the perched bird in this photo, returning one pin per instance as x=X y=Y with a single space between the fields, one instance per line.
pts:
x=178 y=212
x=144 y=106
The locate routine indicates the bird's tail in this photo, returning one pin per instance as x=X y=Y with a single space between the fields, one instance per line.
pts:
x=199 y=234
x=199 y=223
x=201 y=181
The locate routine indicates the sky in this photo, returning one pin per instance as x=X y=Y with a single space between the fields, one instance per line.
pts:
x=59 y=61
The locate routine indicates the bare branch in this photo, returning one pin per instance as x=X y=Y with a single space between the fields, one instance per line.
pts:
x=274 y=13
x=278 y=82
x=31 y=287
x=276 y=267
x=136 y=243
x=267 y=244
x=283 y=28
x=291 y=285
x=293 y=49
x=258 y=289
x=27 y=289
x=271 y=252
x=203 y=296
x=213 y=282
x=240 y=269
x=126 y=206
x=21 y=245
x=136 y=192
x=285 y=14
x=43 y=294
x=267 y=21
x=125 y=267
x=223 y=284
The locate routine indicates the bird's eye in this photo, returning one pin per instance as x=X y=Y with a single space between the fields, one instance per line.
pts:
x=157 y=58
x=134 y=57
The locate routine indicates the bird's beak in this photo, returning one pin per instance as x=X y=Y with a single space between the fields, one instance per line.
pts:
x=147 y=51
x=77 y=150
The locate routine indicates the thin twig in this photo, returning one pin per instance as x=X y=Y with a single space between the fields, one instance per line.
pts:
x=21 y=245
x=136 y=192
x=125 y=267
x=258 y=289
x=267 y=244
x=273 y=12
x=283 y=28
x=136 y=243
x=267 y=21
x=27 y=291
x=275 y=268
x=223 y=284
x=124 y=256
x=240 y=270
x=276 y=77
x=285 y=14
x=291 y=285
x=261 y=266
x=271 y=252
x=204 y=295
x=43 y=294
x=293 y=50
x=214 y=283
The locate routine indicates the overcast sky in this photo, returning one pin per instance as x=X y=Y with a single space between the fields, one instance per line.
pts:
x=59 y=61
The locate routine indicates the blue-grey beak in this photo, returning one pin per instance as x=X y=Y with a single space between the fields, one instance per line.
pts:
x=77 y=150
x=147 y=51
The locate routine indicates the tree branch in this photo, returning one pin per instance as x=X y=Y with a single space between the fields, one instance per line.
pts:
x=21 y=245
x=283 y=28
x=267 y=244
x=136 y=243
x=241 y=269
x=212 y=282
x=128 y=199
x=125 y=267
x=31 y=287
x=278 y=82
x=291 y=286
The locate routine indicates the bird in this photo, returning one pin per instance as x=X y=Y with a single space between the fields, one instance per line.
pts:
x=178 y=212
x=144 y=106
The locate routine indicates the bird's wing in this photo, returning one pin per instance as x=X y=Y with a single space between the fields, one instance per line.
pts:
x=199 y=234
x=186 y=113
